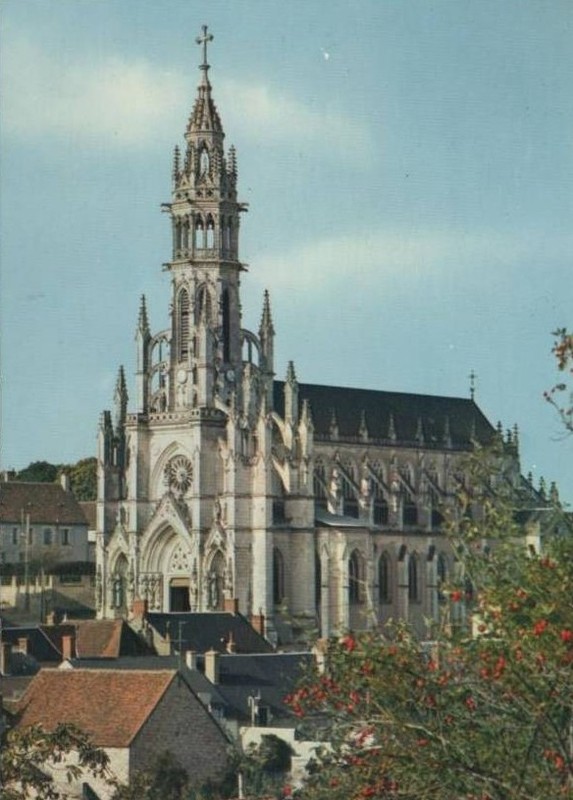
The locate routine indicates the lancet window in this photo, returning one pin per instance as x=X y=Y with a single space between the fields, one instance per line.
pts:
x=183 y=323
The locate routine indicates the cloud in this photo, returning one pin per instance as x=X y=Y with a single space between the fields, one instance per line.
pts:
x=415 y=256
x=127 y=103
x=265 y=115
x=132 y=103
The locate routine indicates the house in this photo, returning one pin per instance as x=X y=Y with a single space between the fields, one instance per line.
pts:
x=133 y=715
x=47 y=562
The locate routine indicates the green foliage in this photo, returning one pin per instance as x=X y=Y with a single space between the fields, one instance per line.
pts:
x=25 y=753
x=165 y=780
x=482 y=712
x=83 y=478
x=82 y=474
x=38 y=472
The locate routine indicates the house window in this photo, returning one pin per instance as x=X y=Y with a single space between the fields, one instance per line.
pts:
x=47 y=536
x=65 y=533
x=15 y=532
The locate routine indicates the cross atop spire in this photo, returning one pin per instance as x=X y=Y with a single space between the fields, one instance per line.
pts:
x=204 y=39
x=472 y=376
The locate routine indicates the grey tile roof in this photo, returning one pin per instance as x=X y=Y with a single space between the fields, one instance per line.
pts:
x=47 y=503
x=209 y=631
x=438 y=415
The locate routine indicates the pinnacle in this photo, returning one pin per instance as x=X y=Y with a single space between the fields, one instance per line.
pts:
x=266 y=325
x=142 y=322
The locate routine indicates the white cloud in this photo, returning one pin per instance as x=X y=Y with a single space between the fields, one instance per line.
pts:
x=414 y=256
x=128 y=103
x=131 y=103
x=264 y=115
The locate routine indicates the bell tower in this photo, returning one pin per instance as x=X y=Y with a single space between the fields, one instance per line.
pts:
x=205 y=355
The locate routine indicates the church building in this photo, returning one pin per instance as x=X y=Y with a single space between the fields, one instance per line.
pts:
x=315 y=508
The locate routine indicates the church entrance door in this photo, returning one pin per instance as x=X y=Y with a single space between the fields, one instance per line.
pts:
x=179 y=594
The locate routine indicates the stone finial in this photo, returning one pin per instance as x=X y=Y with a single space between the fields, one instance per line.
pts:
x=542 y=488
x=306 y=414
x=120 y=398
x=233 y=161
x=176 y=163
x=142 y=320
x=363 y=428
x=266 y=328
x=554 y=494
x=333 y=428
x=447 y=438
x=391 y=428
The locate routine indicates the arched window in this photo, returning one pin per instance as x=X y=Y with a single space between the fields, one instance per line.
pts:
x=227 y=231
x=183 y=323
x=355 y=578
x=204 y=161
x=278 y=576
x=199 y=233
x=413 y=579
x=384 y=588
x=203 y=304
x=319 y=482
x=410 y=512
x=349 y=492
x=317 y=579
x=210 y=238
x=441 y=575
x=225 y=308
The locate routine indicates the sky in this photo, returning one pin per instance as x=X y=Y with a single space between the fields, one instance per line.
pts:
x=408 y=166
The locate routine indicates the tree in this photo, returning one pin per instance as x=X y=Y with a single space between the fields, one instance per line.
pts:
x=82 y=474
x=38 y=472
x=25 y=753
x=83 y=478
x=561 y=394
x=165 y=779
x=482 y=712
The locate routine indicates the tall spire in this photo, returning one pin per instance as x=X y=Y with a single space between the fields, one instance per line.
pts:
x=142 y=321
x=204 y=117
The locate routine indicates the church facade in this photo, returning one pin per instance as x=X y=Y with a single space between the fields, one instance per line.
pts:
x=316 y=508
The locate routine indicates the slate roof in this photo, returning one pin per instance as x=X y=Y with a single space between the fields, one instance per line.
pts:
x=437 y=414
x=89 y=508
x=47 y=503
x=271 y=676
x=44 y=642
x=208 y=631
x=110 y=705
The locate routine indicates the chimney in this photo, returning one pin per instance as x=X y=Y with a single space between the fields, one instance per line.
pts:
x=68 y=646
x=258 y=623
x=65 y=482
x=212 y=666
x=231 y=605
x=23 y=645
x=139 y=608
x=191 y=659
x=5 y=658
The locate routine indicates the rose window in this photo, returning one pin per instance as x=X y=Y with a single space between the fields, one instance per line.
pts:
x=179 y=474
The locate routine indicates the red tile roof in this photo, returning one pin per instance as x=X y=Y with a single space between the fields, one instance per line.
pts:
x=99 y=638
x=110 y=705
x=47 y=503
